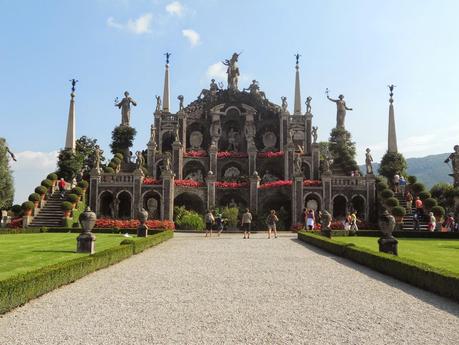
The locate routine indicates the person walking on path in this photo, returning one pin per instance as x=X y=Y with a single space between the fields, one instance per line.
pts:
x=210 y=220
x=419 y=208
x=409 y=201
x=62 y=185
x=396 y=181
x=271 y=220
x=219 y=224
x=354 y=226
x=402 y=184
x=310 y=219
x=305 y=218
x=246 y=222
x=432 y=222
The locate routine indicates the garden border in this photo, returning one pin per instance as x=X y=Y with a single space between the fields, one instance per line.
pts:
x=426 y=277
x=20 y=289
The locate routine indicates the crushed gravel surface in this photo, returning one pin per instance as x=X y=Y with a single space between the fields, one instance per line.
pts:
x=192 y=290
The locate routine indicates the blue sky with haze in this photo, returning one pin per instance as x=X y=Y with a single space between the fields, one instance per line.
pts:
x=352 y=47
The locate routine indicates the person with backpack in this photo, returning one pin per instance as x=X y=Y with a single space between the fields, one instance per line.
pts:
x=219 y=224
x=62 y=184
x=209 y=220
x=271 y=221
x=246 y=222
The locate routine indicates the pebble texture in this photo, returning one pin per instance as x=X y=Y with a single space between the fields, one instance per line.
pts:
x=192 y=290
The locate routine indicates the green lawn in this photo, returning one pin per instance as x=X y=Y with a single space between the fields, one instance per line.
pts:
x=443 y=254
x=27 y=252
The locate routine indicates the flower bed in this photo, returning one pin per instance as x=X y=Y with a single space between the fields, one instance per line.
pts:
x=270 y=154
x=188 y=183
x=227 y=154
x=151 y=181
x=195 y=153
x=133 y=223
x=275 y=184
x=222 y=184
x=15 y=223
x=312 y=183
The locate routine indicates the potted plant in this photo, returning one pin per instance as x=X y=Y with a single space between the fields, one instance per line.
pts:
x=27 y=207
x=41 y=190
x=429 y=203
x=386 y=193
x=391 y=202
x=73 y=199
x=67 y=207
x=17 y=210
x=35 y=198
x=398 y=212
x=53 y=178
x=439 y=213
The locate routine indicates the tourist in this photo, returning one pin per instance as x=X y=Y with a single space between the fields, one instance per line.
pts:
x=271 y=221
x=246 y=222
x=310 y=220
x=396 y=181
x=419 y=208
x=416 y=221
x=304 y=216
x=432 y=222
x=347 y=222
x=210 y=220
x=74 y=183
x=409 y=201
x=62 y=185
x=353 y=222
x=402 y=184
x=219 y=224
x=448 y=224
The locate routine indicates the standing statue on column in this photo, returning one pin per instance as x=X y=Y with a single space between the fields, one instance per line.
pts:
x=158 y=103
x=298 y=165
x=232 y=71
x=368 y=162
x=180 y=98
x=140 y=161
x=314 y=134
x=454 y=158
x=340 y=109
x=125 y=106
x=284 y=104
x=97 y=153
x=308 y=105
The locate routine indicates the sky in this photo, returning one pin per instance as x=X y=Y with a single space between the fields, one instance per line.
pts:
x=354 y=47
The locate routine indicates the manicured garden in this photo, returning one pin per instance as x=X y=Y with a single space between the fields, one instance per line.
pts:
x=439 y=253
x=23 y=253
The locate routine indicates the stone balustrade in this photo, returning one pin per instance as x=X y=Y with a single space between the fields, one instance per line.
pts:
x=349 y=181
x=120 y=179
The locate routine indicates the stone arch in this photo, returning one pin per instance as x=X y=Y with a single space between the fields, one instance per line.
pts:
x=339 y=208
x=194 y=166
x=307 y=170
x=358 y=204
x=282 y=204
x=106 y=204
x=232 y=199
x=232 y=164
x=313 y=200
x=167 y=139
x=124 y=199
x=274 y=167
x=269 y=123
x=154 y=208
x=232 y=121
x=199 y=127
x=158 y=168
x=191 y=201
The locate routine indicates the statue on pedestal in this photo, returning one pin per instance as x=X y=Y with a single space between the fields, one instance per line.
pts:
x=368 y=162
x=314 y=134
x=232 y=71
x=298 y=165
x=97 y=154
x=167 y=162
x=454 y=158
x=308 y=105
x=180 y=98
x=140 y=161
x=327 y=163
x=254 y=90
x=340 y=109
x=158 y=103
x=284 y=104
x=125 y=106
x=232 y=140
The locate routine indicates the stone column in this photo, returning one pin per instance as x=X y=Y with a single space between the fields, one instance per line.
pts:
x=315 y=161
x=151 y=159
x=289 y=159
x=327 y=192
x=283 y=126
x=94 y=180
x=254 y=183
x=252 y=161
x=177 y=159
x=370 y=182
x=211 y=179
x=307 y=133
x=26 y=220
x=182 y=126
x=168 y=194
x=213 y=159
x=137 y=193
x=297 y=199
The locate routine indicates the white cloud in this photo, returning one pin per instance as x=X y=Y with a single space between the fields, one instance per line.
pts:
x=217 y=71
x=192 y=36
x=141 y=25
x=175 y=8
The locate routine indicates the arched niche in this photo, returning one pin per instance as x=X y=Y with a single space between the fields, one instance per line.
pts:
x=190 y=201
x=197 y=136
x=194 y=170
x=167 y=140
x=339 y=206
x=313 y=201
x=152 y=203
x=358 y=205
x=106 y=206
x=124 y=205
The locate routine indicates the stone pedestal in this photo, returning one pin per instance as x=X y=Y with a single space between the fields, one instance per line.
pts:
x=289 y=159
x=93 y=189
x=297 y=199
x=142 y=231
x=213 y=159
x=370 y=211
x=86 y=243
x=151 y=159
x=137 y=190
x=210 y=180
x=254 y=183
x=177 y=159
x=315 y=152
x=388 y=244
x=252 y=161
x=307 y=133
x=168 y=194
x=327 y=192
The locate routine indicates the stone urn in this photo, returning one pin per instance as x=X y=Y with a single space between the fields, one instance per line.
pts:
x=86 y=239
x=387 y=242
x=142 y=229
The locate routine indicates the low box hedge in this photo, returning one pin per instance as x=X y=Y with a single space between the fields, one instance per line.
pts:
x=18 y=290
x=439 y=281
x=411 y=234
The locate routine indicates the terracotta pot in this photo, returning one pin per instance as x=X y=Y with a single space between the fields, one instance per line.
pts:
x=27 y=212
x=67 y=213
x=74 y=204
x=36 y=203
x=399 y=219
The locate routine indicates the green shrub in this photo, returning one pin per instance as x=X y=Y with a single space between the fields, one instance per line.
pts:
x=382 y=186
x=429 y=203
x=83 y=184
x=179 y=212
x=438 y=211
x=52 y=177
x=67 y=206
x=34 y=197
x=412 y=179
x=231 y=215
x=77 y=190
x=417 y=187
x=391 y=202
x=112 y=165
x=27 y=206
x=386 y=194
x=116 y=160
x=47 y=183
x=72 y=198
x=119 y=155
x=190 y=220
x=398 y=211
x=16 y=209
x=41 y=190
x=424 y=195
x=109 y=170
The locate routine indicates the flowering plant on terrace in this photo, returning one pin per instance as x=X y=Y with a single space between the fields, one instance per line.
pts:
x=312 y=183
x=275 y=184
x=195 y=153
x=222 y=184
x=151 y=181
x=228 y=154
x=134 y=223
x=270 y=154
x=188 y=183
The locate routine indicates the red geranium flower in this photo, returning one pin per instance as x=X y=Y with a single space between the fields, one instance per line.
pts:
x=312 y=183
x=134 y=223
x=275 y=184
x=231 y=184
x=151 y=181
x=189 y=183
x=195 y=153
x=271 y=154
x=227 y=154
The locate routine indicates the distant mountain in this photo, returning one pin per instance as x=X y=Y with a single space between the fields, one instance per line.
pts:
x=429 y=170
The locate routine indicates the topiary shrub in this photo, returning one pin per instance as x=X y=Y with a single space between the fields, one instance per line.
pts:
x=398 y=211
x=83 y=184
x=119 y=155
x=429 y=203
x=16 y=209
x=412 y=179
x=191 y=221
x=77 y=190
x=116 y=160
x=67 y=206
x=34 y=197
x=424 y=195
x=112 y=165
x=418 y=187
x=27 y=206
x=438 y=211
x=386 y=193
x=41 y=190
x=391 y=202
x=109 y=170
x=382 y=186
x=72 y=198
x=52 y=177
x=47 y=183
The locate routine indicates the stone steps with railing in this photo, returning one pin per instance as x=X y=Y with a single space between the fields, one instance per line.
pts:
x=51 y=214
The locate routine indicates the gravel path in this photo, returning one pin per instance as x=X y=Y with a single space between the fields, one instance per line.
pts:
x=227 y=290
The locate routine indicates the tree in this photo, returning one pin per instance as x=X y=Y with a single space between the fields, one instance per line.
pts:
x=6 y=177
x=445 y=195
x=69 y=164
x=342 y=150
x=392 y=163
x=122 y=139
x=85 y=147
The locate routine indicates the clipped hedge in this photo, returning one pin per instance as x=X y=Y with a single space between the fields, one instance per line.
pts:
x=387 y=193
x=439 y=281
x=20 y=289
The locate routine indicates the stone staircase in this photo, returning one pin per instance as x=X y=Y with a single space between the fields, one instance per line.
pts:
x=51 y=214
x=408 y=222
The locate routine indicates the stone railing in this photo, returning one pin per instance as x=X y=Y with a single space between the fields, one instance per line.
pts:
x=169 y=117
x=349 y=181
x=120 y=179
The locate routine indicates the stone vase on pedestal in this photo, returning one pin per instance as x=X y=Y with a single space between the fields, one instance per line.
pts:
x=85 y=241
x=142 y=229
